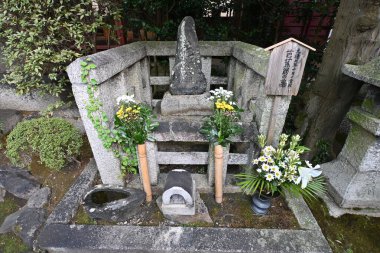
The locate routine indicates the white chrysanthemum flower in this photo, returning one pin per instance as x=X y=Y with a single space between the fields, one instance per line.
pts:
x=262 y=159
x=270 y=160
x=259 y=170
x=255 y=161
x=269 y=177
x=274 y=168
x=278 y=174
x=265 y=167
x=126 y=99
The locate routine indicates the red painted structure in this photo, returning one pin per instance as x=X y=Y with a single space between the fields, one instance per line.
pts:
x=313 y=28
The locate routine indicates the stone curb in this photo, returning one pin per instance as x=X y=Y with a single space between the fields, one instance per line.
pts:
x=66 y=209
x=92 y=238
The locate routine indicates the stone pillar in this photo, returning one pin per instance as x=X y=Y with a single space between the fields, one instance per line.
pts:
x=211 y=164
x=154 y=169
x=354 y=177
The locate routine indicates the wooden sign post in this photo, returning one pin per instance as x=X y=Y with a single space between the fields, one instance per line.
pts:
x=286 y=66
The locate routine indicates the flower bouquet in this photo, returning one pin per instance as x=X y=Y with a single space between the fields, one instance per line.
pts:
x=133 y=126
x=222 y=124
x=134 y=121
x=219 y=128
x=282 y=169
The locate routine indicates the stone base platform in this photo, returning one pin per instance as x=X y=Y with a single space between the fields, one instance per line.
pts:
x=337 y=211
x=186 y=105
x=59 y=235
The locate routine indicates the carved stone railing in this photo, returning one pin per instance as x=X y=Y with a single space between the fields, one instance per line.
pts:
x=126 y=69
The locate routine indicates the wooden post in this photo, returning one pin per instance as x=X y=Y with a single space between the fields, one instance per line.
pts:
x=218 y=153
x=141 y=149
x=272 y=121
x=286 y=66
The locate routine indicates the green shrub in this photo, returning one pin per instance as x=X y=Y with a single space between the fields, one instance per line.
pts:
x=53 y=139
x=42 y=36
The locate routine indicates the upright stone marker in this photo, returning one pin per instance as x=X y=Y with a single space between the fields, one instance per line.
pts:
x=286 y=65
x=187 y=76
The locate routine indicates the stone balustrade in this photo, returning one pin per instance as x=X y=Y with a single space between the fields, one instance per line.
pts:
x=126 y=70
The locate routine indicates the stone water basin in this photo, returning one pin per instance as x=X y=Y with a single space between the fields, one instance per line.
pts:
x=112 y=202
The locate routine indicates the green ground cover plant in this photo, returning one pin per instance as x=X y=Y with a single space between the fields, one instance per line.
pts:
x=54 y=140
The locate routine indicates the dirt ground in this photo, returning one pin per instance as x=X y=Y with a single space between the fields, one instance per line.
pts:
x=235 y=211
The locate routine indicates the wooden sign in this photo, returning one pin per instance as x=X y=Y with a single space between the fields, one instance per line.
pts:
x=286 y=66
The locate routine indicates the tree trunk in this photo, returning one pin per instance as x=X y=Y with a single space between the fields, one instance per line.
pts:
x=356 y=40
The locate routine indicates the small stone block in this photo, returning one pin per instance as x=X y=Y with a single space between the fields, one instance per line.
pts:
x=179 y=193
x=186 y=105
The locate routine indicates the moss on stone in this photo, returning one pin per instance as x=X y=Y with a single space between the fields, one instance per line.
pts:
x=83 y=218
x=348 y=233
x=7 y=207
x=10 y=243
x=368 y=104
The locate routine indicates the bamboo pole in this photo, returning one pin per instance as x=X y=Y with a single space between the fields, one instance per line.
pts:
x=141 y=149
x=218 y=154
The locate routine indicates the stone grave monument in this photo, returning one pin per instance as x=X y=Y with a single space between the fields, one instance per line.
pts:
x=187 y=93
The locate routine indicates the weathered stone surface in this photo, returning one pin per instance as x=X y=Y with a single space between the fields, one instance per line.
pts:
x=10 y=221
x=109 y=63
x=39 y=198
x=254 y=57
x=82 y=238
x=18 y=182
x=186 y=129
x=28 y=223
x=362 y=149
x=179 y=194
x=337 y=211
x=2 y=194
x=25 y=222
x=365 y=120
x=9 y=100
x=108 y=164
x=66 y=209
x=368 y=72
x=9 y=119
x=154 y=169
x=187 y=77
x=186 y=105
x=113 y=203
x=371 y=102
x=201 y=213
x=351 y=188
x=181 y=180
x=302 y=212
